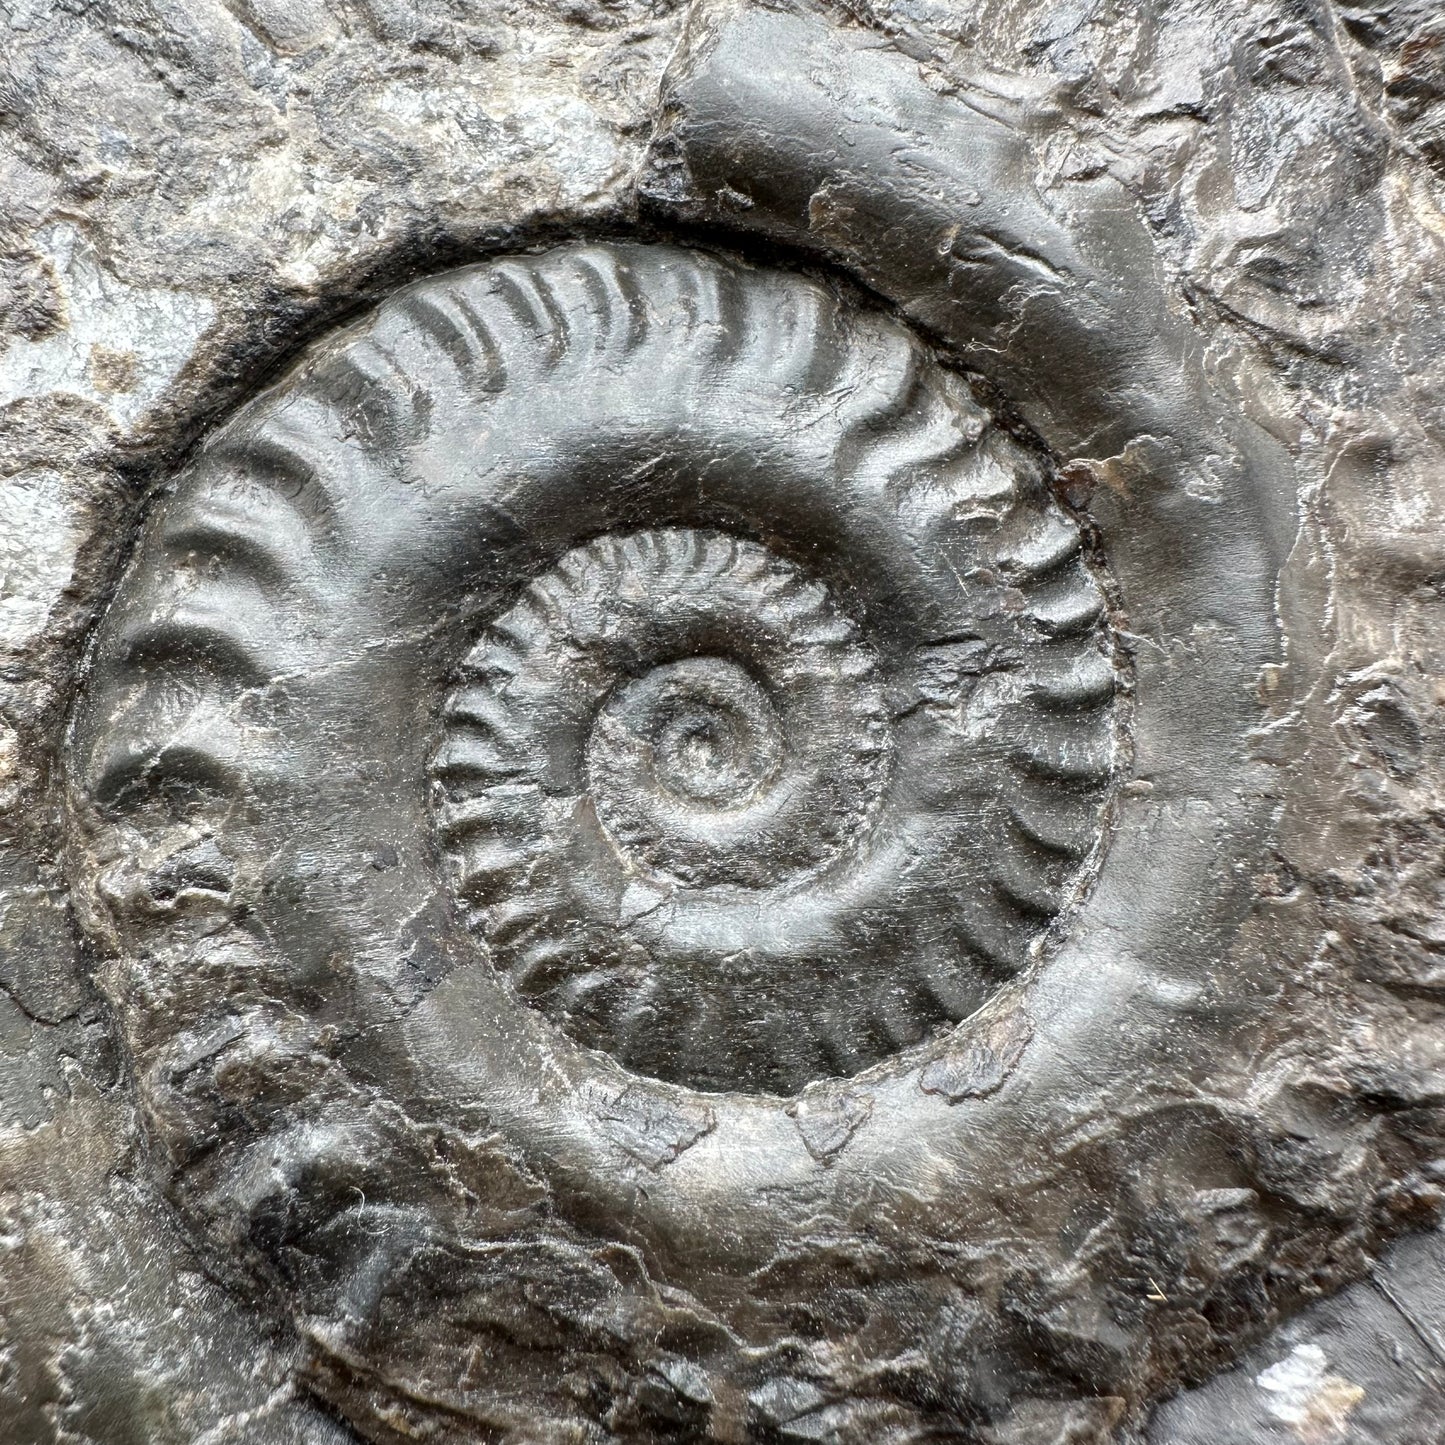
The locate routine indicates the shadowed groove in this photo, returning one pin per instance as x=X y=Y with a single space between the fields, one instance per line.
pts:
x=695 y=294
x=366 y=388
x=533 y=310
x=1049 y=542
x=521 y=626
x=542 y=965
x=290 y=464
x=1082 y=681
x=649 y=1011
x=901 y=377
x=1067 y=604
x=728 y=330
x=930 y=440
x=480 y=758
x=235 y=538
x=1044 y=819
x=840 y=1046
x=786 y=342
x=481 y=708
x=861 y=1036
x=547 y=604
x=990 y=926
x=619 y=313
x=518 y=915
x=450 y=328
x=1071 y=755
x=487 y=859
x=594 y=995
x=128 y=777
x=470 y=298
x=1028 y=882
x=905 y=1011
x=948 y=996
x=459 y=818
x=199 y=641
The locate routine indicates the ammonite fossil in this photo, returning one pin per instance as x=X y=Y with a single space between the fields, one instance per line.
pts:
x=673 y=866
x=682 y=629
x=709 y=825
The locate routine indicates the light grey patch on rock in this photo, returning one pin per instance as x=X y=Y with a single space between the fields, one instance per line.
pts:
x=1300 y=1391
x=41 y=531
x=984 y=1052
x=121 y=346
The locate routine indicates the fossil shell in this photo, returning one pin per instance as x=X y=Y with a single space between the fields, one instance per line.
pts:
x=668 y=655
x=711 y=825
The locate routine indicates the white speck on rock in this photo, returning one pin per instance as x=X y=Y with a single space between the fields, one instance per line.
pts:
x=122 y=345
x=1300 y=1392
x=40 y=535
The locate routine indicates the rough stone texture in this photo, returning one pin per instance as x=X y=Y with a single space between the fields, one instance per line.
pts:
x=194 y=190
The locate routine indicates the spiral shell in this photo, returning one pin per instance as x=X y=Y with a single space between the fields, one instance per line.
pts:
x=703 y=825
x=669 y=654
x=850 y=597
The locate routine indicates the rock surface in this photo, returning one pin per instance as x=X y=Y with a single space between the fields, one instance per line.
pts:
x=195 y=191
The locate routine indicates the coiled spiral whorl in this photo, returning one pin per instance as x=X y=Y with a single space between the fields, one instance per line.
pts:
x=594 y=695
x=710 y=818
x=656 y=754
x=770 y=695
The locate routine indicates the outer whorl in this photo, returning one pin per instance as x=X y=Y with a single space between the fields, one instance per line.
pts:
x=672 y=660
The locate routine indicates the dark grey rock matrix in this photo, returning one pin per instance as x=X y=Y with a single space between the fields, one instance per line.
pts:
x=720 y=722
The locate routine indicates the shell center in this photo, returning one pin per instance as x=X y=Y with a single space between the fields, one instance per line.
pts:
x=699 y=733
